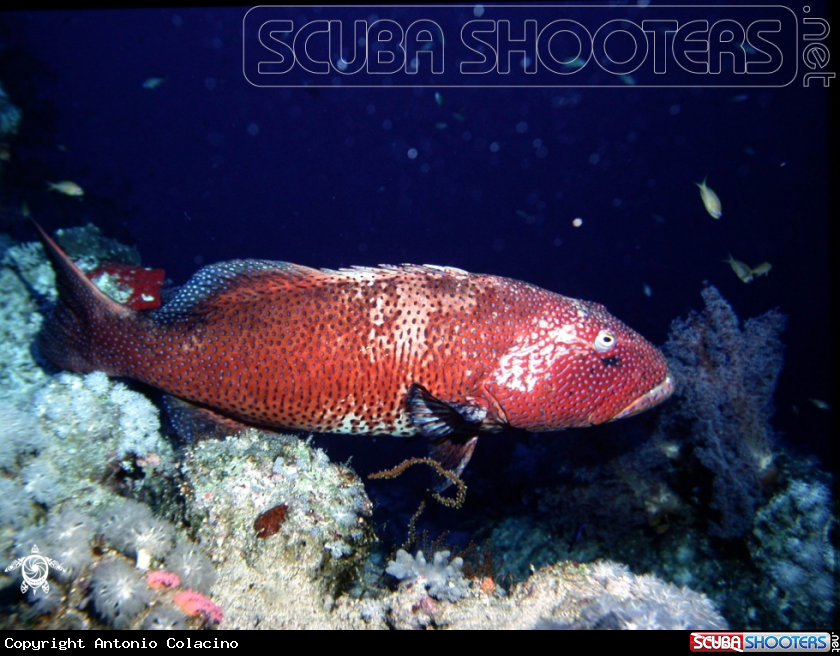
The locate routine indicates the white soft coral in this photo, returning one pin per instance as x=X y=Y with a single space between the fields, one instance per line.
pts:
x=120 y=592
x=131 y=528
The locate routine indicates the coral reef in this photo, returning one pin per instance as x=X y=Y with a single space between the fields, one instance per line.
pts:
x=791 y=544
x=101 y=581
x=599 y=595
x=317 y=550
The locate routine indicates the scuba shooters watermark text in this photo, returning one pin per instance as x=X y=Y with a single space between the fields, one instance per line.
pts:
x=534 y=46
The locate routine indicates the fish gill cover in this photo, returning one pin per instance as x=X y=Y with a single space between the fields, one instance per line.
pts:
x=686 y=194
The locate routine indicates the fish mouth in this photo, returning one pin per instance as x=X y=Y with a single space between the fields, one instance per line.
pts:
x=652 y=397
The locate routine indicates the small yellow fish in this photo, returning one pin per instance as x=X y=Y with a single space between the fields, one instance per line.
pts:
x=822 y=405
x=710 y=200
x=741 y=270
x=67 y=188
x=762 y=269
x=153 y=82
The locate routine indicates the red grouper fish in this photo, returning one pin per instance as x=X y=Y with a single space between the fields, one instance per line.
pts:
x=397 y=350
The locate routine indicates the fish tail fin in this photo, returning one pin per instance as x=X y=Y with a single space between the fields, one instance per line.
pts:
x=75 y=334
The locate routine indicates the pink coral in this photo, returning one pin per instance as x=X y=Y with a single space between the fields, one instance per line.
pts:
x=158 y=579
x=194 y=603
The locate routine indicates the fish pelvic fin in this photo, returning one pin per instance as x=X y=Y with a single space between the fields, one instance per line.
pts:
x=451 y=427
x=454 y=456
x=71 y=336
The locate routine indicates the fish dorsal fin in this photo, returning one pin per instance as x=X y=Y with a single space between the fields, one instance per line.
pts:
x=388 y=270
x=235 y=279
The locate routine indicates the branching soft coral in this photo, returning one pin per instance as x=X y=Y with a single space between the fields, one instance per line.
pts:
x=441 y=577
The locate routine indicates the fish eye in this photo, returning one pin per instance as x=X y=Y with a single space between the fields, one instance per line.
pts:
x=604 y=341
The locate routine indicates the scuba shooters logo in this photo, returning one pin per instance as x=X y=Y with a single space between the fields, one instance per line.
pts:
x=523 y=45
x=761 y=641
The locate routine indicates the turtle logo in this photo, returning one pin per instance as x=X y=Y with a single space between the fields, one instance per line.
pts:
x=35 y=569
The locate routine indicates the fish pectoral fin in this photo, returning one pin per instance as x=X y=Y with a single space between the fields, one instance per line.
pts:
x=438 y=419
x=194 y=422
x=453 y=455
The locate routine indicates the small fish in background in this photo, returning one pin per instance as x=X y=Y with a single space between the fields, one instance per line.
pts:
x=441 y=125
x=629 y=80
x=819 y=403
x=741 y=97
x=153 y=82
x=647 y=290
x=762 y=269
x=741 y=270
x=710 y=200
x=439 y=99
x=67 y=187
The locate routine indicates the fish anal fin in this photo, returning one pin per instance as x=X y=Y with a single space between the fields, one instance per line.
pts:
x=194 y=422
x=439 y=419
x=453 y=455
